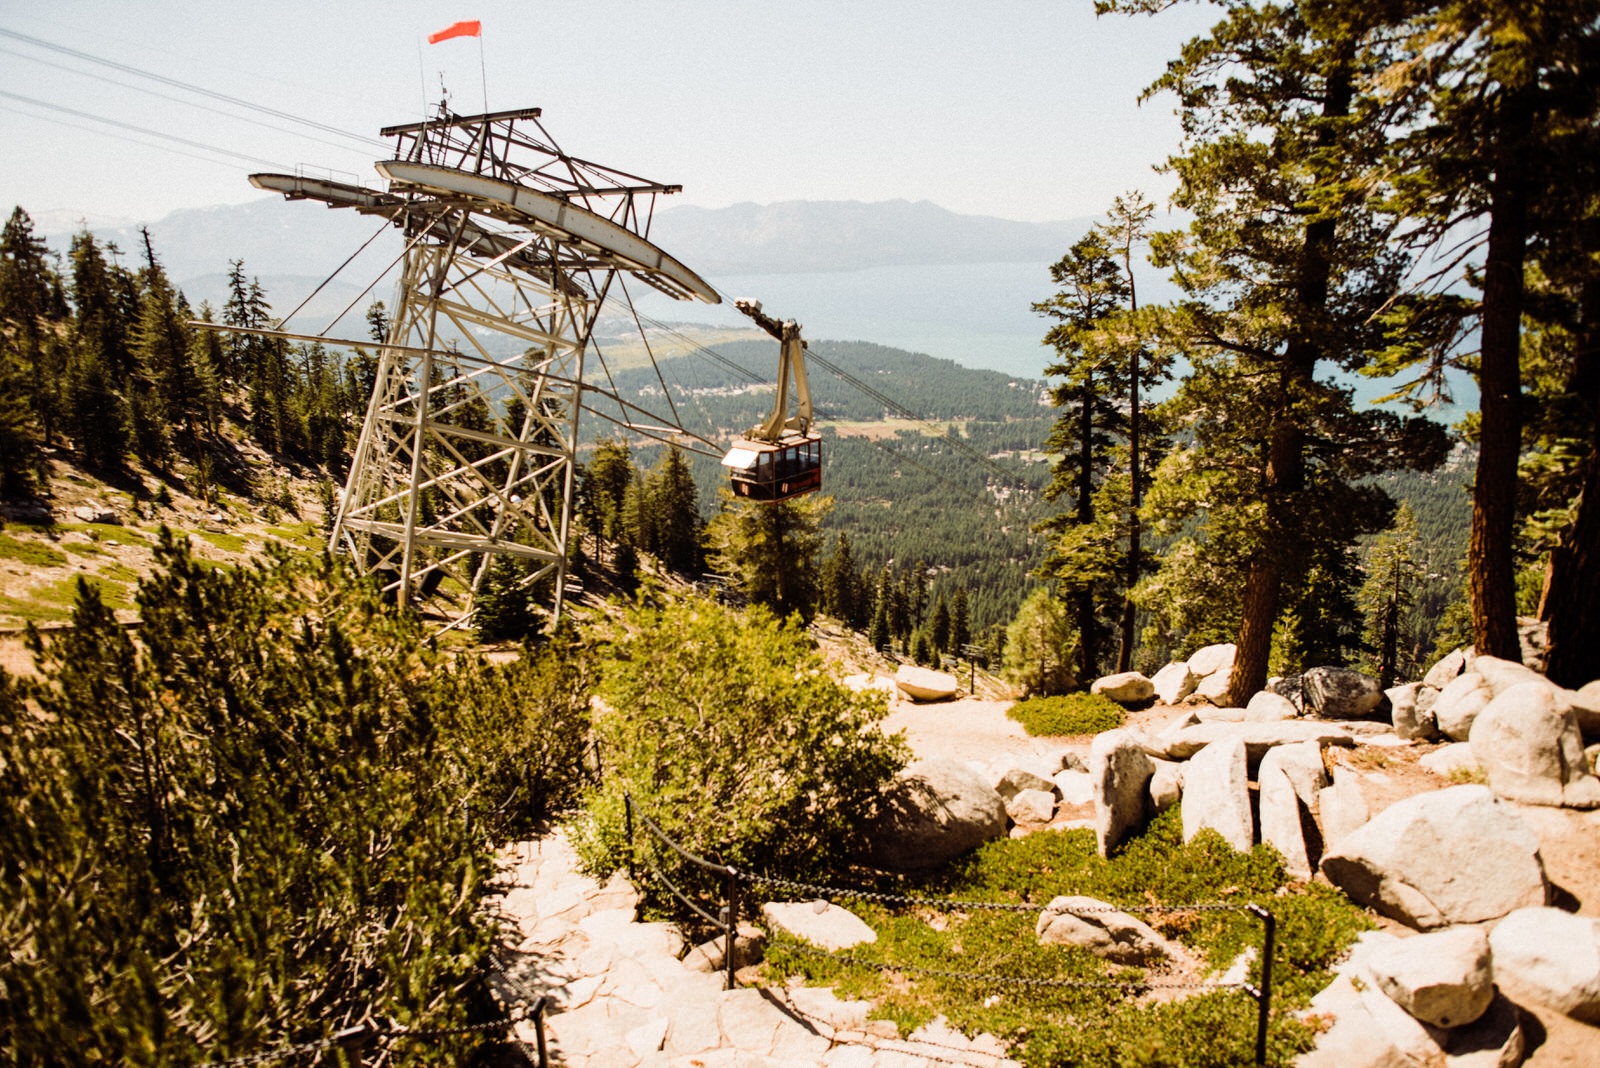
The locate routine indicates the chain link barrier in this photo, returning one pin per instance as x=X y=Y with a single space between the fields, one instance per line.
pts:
x=1262 y=994
x=1006 y=980
x=947 y=905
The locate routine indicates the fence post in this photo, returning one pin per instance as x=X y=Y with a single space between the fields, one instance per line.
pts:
x=1269 y=939
x=627 y=808
x=538 y=1032
x=731 y=918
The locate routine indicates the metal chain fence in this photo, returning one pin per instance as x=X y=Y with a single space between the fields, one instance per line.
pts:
x=727 y=921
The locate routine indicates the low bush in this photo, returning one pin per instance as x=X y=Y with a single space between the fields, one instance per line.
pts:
x=729 y=732
x=1091 y=1025
x=244 y=828
x=1073 y=713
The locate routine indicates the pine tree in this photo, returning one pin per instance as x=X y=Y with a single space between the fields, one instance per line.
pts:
x=939 y=627
x=674 y=509
x=1103 y=364
x=838 y=583
x=880 y=636
x=97 y=417
x=1285 y=269
x=773 y=550
x=100 y=311
x=960 y=635
x=20 y=454
x=1040 y=646
x=160 y=346
x=1392 y=576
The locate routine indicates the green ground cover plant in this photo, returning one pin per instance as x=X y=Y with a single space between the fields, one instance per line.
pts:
x=1067 y=714
x=263 y=819
x=112 y=533
x=30 y=553
x=729 y=731
x=228 y=543
x=1087 y=1025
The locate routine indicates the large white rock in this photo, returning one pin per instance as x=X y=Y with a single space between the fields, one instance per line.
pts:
x=1269 y=707
x=1029 y=767
x=824 y=925
x=1459 y=703
x=1125 y=688
x=1290 y=778
x=1456 y=855
x=1166 y=785
x=1075 y=787
x=1527 y=741
x=1342 y=808
x=1443 y=978
x=1369 y=1030
x=1119 y=771
x=1216 y=794
x=1411 y=721
x=1586 y=706
x=1453 y=664
x=1501 y=675
x=1017 y=779
x=1215 y=686
x=1174 y=682
x=933 y=812
x=1032 y=806
x=1102 y=929
x=1552 y=957
x=1213 y=658
x=925 y=684
x=1340 y=693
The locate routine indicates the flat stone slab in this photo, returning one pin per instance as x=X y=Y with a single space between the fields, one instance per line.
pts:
x=824 y=925
x=1257 y=737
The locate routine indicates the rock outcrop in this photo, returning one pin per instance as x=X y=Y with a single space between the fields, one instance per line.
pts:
x=1456 y=855
x=1527 y=741
x=932 y=813
x=1119 y=771
x=1126 y=688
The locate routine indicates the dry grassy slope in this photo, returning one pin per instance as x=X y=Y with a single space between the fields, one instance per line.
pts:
x=46 y=546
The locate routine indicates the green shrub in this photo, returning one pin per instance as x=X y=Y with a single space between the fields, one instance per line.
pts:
x=246 y=829
x=1052 y=1026
x=1073 y=713
x=730 y=733
x=525 y=725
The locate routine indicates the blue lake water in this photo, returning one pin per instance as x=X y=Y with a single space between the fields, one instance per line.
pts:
x=979 y=315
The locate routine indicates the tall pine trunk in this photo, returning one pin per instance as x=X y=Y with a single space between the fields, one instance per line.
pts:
x=1284 y=480
x=1571 y=602
x=1490 y=575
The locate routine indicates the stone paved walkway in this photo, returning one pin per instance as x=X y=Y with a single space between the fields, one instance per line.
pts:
x=621 y=998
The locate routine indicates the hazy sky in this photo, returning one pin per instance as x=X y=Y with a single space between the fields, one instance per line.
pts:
x=1024 y=109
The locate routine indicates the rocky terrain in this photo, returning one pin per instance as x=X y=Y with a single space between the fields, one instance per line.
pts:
x=1461 y=811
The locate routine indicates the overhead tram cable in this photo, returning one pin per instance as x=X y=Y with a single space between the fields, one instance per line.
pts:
x=167 y=96
x=189 y=87
x=137 y=129
x=988 y=463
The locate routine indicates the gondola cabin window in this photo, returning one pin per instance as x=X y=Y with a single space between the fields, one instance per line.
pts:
x=762 y=471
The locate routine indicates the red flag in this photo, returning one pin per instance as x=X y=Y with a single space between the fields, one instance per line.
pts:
x=470 y=28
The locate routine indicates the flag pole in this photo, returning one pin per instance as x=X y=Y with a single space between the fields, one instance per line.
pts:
x=483 y=73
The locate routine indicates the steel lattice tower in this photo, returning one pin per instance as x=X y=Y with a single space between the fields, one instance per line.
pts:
x=469 y=443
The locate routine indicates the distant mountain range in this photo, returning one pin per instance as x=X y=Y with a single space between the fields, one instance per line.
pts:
x=803 y=236
x=278 y=237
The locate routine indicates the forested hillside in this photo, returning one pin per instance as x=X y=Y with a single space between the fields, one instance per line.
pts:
x=926 y=461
